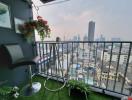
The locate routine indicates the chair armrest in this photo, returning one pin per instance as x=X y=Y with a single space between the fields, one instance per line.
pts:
x=36 y=59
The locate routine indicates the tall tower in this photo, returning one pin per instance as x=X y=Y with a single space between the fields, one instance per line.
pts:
x=91 y=31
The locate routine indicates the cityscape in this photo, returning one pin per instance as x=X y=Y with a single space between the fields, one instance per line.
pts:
x=103 y=64
x=90 y=36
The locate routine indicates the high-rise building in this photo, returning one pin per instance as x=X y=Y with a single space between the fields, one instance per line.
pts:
x=91 y=31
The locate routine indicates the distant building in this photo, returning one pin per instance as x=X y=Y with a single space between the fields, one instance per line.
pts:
x=102 y=38
x=91 y=31
x=79 y=39
x=102 y=71
x=115 y=55
x=115 y=39
x=97 y=39
x=85 y=38
x=75 y=38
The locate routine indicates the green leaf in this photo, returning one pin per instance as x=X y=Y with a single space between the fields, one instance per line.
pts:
x=79 y=85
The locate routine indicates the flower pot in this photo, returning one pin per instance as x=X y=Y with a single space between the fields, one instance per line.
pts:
x=77 y=93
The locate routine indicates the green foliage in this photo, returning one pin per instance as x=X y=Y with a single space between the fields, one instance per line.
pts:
x=5 y=93
x=5 y=90
x=8 y=93
x=79 y=85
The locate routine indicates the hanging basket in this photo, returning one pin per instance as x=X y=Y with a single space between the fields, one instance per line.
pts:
x=40 y=25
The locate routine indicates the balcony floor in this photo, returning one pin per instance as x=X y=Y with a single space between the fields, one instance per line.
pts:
x=63 y=94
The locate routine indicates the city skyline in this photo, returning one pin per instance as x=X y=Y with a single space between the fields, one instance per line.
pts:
x=113 y=18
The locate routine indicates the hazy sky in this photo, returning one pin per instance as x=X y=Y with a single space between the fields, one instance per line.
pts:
x=113 y=18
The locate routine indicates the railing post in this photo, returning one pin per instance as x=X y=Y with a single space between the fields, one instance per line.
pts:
x=102 y=65
x=95 y=64
x=39 y=47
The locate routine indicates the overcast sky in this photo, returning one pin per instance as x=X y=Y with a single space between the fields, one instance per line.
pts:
x=113 y=18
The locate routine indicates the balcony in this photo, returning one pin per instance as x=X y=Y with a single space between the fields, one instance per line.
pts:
x=105 y=66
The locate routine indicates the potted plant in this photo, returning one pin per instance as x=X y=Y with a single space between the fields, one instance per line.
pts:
x=78 y=87
x=40 y=25
x=7 y=93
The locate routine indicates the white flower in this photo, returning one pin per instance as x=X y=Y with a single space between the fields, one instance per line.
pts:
x=15 y=88
x=16 y=95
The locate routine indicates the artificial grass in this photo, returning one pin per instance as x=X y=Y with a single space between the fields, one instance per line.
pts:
x=44 y=94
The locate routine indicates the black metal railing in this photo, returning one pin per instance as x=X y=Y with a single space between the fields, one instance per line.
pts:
x=103 y=64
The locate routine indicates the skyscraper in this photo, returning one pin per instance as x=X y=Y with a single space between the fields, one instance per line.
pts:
x=91 y=31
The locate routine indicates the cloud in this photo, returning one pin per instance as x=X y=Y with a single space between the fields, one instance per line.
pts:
x=82 y=17
x=72 y=24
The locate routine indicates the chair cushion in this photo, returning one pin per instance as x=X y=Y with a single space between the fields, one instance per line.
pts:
x=15 y=52
x=11 y=56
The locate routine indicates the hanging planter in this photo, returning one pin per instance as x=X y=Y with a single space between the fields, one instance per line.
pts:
x=28 y=29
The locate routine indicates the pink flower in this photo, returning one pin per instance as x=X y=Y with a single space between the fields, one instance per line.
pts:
x=39 y=17
x=41 y=20
x=45 y=22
